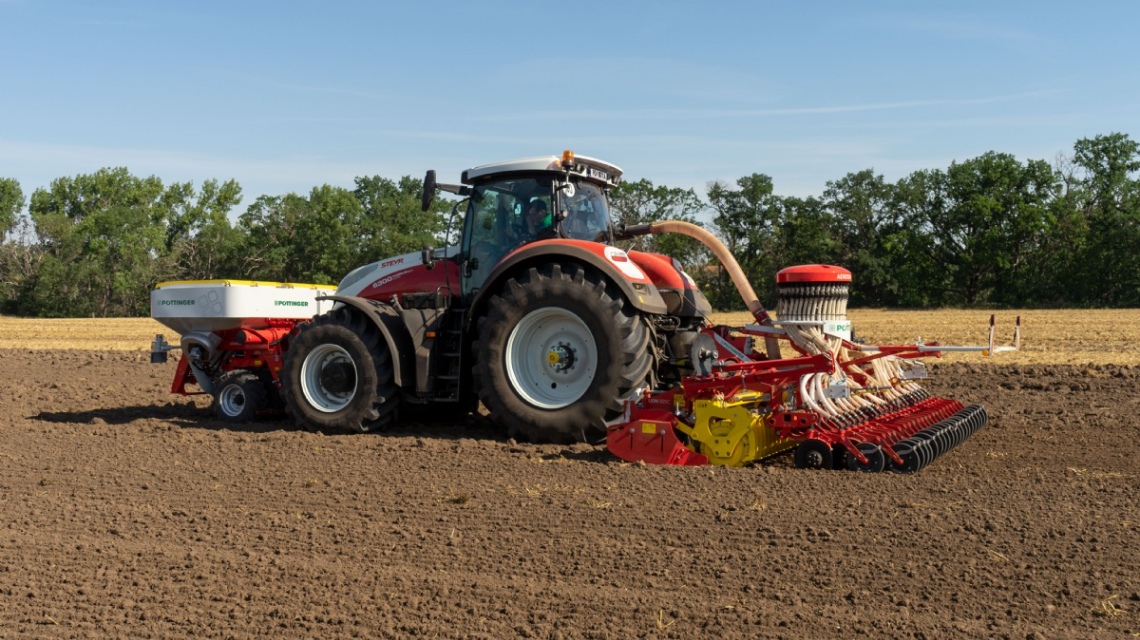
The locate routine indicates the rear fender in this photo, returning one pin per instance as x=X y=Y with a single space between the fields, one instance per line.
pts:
x=612 y=262
x=391 y=325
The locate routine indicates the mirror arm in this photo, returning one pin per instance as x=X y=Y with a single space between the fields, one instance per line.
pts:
x=457 y=189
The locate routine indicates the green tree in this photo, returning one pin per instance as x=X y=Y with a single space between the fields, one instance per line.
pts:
x=294 y=238
x=981 y=218
x=19 y=255
x=200 y=241
x=103 y=236
x=747 y=219
x=865 y=226
x=11 y=204
x=392 y=222
x=1059 y=258
x=1108 y=197
x=921 y=281
x=805 y=235
x=20 y=260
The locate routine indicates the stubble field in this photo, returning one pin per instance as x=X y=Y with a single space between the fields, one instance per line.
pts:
x=131 y=513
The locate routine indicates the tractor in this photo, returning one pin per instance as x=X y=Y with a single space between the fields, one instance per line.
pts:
x=535 y=313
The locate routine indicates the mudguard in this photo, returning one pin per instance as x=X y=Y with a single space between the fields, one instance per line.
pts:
x=391 y=325
x=680 y=293
x=614 y=263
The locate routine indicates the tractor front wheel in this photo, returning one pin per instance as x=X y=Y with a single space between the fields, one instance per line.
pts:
x=338 y=375
x=556 y=354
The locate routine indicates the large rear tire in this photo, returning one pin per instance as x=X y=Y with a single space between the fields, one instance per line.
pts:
x=338 y=375
x=556 y=354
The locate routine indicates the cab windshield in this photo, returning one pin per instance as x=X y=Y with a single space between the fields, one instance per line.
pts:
x=587 y=216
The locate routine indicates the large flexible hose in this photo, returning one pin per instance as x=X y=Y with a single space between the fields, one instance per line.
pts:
x=751 y=300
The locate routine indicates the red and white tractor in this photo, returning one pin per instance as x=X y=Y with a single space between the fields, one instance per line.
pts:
x=563 y=336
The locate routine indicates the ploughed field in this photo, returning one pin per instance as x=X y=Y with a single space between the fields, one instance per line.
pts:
x=128 y=512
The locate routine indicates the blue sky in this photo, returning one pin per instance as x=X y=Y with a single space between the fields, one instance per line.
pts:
x=283 y=96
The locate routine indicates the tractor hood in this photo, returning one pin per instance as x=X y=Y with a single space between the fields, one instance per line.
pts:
x=400 y=274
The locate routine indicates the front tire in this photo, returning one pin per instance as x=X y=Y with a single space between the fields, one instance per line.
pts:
x=338 y=375
x=557 y=353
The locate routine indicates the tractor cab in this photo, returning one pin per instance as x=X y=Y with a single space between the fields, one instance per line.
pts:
x=517 y=202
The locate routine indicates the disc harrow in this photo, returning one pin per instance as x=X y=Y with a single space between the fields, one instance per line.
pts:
x=838 y=403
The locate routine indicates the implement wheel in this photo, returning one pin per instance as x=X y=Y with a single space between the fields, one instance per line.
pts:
x=338 y=375
x=814 y=454
x=557 y=352
x=239 y=395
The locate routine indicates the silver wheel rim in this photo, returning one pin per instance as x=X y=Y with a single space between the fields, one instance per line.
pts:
x=551 y=358
x=313 y=367
x=232 y=400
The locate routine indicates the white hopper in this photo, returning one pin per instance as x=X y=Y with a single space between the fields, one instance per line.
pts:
x=212 y=305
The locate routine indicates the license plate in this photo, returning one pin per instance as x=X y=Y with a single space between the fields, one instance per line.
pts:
x=598 y=173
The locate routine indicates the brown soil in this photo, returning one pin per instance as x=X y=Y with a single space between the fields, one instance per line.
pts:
x=128 y=513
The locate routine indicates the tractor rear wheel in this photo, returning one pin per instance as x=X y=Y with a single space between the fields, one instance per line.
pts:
x=557 y=352
x=338 y=375
x=239 y=395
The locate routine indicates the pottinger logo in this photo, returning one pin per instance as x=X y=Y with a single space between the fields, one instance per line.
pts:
x=176 y=303
x=290 y=303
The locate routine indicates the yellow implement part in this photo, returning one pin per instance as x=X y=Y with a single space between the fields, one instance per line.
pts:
x=247 y=283
x=731 y=435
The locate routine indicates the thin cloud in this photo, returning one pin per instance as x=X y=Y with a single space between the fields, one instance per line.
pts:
x=660 y=78
x=303 y=88
x=959 y=30
x=689 y=114
x=104 y=22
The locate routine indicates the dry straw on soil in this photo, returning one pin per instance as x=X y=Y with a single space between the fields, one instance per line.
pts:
x=1048 y=337
x=85 y=334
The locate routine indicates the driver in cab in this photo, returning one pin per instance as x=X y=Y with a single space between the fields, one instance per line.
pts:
x=539 y=221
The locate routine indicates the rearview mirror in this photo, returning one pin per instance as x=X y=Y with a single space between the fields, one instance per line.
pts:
x=429 y=190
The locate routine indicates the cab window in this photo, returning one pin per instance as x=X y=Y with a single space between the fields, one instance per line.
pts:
x=498 y=222
x=587 y=216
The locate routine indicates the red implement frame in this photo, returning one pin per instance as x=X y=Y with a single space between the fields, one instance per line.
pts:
x=648 y=431
x=246 y=348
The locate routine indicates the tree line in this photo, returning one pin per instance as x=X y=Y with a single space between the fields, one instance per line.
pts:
x=988 y=231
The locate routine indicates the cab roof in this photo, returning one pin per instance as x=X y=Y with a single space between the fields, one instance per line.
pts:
x=584 y=167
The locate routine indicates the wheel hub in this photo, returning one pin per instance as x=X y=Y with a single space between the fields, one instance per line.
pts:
x=561 y=357
x=232 y=400
x=328 y=378
x=338 y=377
x=814 y=459
x=551 y=358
